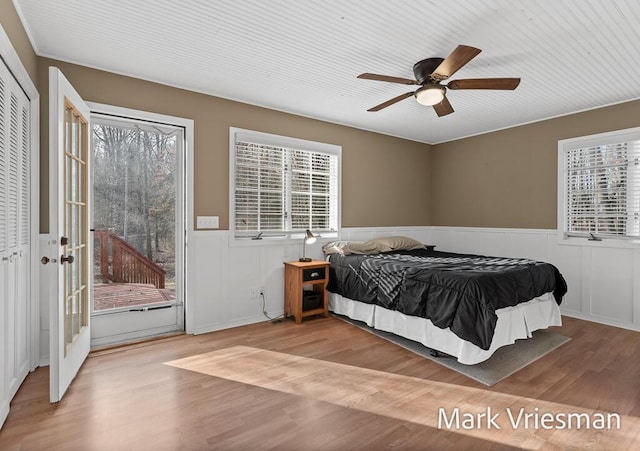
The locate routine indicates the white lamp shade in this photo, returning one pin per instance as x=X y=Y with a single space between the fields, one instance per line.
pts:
x=430 y=95
x=309 y=237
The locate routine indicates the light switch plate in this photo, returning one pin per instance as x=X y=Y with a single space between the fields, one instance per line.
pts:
x=207 y=222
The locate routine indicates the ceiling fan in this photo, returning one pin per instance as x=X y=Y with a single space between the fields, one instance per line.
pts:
x=431 y=72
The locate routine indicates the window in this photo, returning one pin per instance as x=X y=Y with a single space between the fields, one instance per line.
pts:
x=282 y=186
x=599 y=186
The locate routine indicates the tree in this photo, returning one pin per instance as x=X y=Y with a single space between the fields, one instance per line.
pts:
x=134 y=186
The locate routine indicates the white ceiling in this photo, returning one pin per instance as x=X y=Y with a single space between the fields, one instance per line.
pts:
x=303 y=56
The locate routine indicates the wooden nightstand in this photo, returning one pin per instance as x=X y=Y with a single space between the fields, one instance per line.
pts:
x=300 y=275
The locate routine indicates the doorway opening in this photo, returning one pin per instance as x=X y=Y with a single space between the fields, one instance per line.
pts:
x=138 y=224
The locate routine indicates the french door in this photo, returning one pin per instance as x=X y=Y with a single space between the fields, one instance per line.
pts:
x=137 y=219
x=69 y=324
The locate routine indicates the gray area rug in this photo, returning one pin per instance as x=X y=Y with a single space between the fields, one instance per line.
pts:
x=503 y=363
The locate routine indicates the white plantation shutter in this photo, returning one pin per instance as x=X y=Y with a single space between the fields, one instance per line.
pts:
x=259 y=183
x=602 y=189
x=283 y=186
x=313 y=188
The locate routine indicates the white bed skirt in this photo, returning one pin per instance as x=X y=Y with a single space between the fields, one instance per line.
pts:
x=513 y=323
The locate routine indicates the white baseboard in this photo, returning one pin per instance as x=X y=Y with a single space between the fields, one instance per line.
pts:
x=594 y=319
x=213 y=327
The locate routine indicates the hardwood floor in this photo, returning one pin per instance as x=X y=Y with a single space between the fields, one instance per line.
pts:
x=323 y=384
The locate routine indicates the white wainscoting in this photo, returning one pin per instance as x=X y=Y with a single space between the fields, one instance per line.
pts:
x=604 y=282
x=221 y=276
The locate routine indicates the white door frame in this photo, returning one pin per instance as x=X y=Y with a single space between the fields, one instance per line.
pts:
x=13 y=62
x=185 y=196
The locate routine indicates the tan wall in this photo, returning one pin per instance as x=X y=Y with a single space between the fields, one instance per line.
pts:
x=18 y=37
x=501 y=179
x=385 y=180
x=509 y=178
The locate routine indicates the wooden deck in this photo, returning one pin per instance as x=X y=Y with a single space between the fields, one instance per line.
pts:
x=116 y=295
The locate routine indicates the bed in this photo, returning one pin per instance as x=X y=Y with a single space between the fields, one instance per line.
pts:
x=463 y=305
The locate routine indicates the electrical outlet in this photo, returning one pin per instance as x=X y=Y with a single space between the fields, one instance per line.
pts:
x=207 y=222
x=261 y=291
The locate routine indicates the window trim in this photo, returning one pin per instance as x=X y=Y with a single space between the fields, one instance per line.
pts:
x=565 y=145
x=280 y=141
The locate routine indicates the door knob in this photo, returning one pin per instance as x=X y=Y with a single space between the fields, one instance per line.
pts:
x=68 y=259
x=44 y=260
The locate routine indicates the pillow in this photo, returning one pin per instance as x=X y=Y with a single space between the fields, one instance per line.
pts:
x=376 y=246
x=367 y=247
x=396 y=243
x=335 y=247
x=350 y=247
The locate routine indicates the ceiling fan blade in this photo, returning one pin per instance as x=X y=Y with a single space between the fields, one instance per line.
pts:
x=391 y=102
x=485 y=83
x=404 y=81
x=452 y=63
x=443 y=108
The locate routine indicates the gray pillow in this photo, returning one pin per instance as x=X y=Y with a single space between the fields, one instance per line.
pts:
x=396 y=243
x=350 y=247
x=375 y=246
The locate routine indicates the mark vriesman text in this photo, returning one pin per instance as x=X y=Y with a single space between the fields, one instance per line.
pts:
x=521 y=418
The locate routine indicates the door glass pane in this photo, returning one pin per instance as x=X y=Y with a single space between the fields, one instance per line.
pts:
x=73 y=178
x=67 y=177
x=73 y=229
x=74 y=136
x=67 y=135
x=134 y=213
x=75 y=323
x=83 y=289
x=68 y=335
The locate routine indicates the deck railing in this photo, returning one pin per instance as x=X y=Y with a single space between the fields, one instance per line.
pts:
x=120 y=262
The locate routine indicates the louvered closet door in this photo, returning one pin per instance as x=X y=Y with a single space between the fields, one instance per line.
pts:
x=4 y=246
x=14 y=230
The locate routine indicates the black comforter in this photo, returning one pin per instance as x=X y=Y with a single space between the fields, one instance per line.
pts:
x=458 y=291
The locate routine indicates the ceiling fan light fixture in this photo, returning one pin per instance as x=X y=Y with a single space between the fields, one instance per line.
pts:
x=430 y=95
